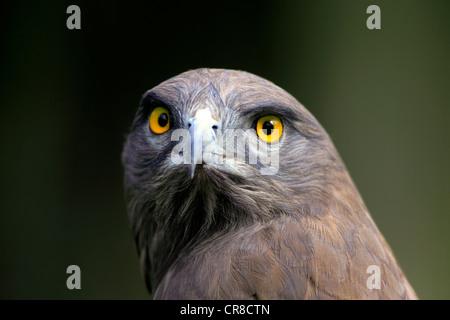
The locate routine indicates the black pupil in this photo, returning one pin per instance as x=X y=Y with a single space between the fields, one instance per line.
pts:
x=163 y=120
x=268 y=127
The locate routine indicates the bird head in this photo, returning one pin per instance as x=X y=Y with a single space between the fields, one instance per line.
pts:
x=212 y=149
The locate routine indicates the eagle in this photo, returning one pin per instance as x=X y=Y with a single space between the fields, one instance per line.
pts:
x=235 y=191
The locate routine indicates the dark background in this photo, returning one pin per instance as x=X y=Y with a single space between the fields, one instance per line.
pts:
x=67 y=98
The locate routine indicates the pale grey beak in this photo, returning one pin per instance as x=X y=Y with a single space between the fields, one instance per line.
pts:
x=202 y=128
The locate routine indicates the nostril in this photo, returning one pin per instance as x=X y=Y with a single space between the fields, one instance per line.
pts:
x=215 y=127
x=189 y=125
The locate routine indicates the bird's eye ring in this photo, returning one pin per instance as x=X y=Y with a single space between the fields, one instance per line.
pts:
x=269 y=128
x=159 y=120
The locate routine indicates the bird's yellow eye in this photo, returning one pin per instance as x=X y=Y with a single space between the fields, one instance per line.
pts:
x=269 y=128
x=159 y=120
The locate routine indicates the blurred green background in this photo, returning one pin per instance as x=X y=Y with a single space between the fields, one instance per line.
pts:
x=67 y=98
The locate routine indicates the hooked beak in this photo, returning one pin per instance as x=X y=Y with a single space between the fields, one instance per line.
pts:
x=202 y=129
